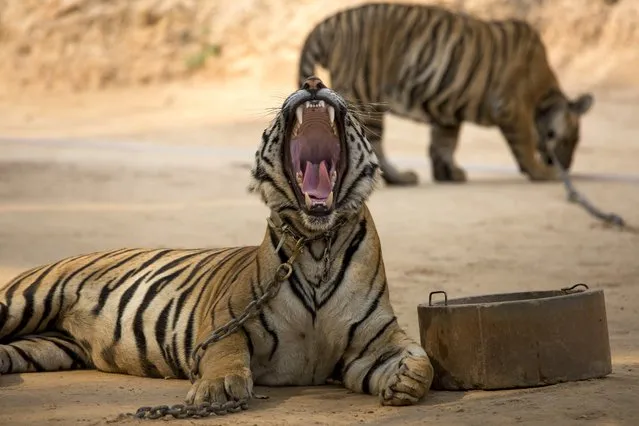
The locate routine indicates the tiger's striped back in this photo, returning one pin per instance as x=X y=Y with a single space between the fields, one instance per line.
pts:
x=408 y=55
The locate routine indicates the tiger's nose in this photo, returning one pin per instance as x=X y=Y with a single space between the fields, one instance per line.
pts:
x=313 y=84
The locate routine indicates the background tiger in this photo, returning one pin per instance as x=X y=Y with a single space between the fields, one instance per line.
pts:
x=142 y=311
x=432 y=65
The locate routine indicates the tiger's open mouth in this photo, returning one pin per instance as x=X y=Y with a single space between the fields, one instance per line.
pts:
x=314 y=156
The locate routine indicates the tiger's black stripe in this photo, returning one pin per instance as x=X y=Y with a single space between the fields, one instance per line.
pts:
x=87 y=266
x=77 y=361
x=296 y=287
x=160 y=337
x=350 y=251
x=107 y=290
x=29 y=360
x=124 y=301
x=29 y=309
x=138 y=320
x=366 y=347
x=381 y=360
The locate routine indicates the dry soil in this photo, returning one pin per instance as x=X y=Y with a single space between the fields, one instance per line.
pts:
x=168 y=167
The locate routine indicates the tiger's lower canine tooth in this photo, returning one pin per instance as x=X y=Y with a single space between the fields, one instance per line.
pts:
x=307 y=200
x=329 y=200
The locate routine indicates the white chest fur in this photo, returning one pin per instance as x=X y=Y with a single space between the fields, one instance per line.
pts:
x=298 y=339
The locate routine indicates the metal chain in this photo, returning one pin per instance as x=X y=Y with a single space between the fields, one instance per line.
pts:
x=575 y=196
x=283 y=272
x=181 y=411
x=205 y=409
x=328 y=241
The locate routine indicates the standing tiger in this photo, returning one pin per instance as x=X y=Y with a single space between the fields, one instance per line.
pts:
x=429 y=64
x=143 y=311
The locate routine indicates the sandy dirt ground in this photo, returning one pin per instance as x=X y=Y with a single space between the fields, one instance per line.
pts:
x=169 y=167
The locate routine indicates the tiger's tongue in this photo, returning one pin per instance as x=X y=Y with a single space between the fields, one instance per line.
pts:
x=317 y=183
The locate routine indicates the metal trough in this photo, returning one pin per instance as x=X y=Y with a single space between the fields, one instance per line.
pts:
x=514 y=340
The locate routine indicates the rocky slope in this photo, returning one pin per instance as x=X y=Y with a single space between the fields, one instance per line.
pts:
x=82 y=45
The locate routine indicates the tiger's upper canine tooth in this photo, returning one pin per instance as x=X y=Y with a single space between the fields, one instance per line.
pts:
x=329 y=200
x=308 y=201
x=299 y=112
x=331 y=113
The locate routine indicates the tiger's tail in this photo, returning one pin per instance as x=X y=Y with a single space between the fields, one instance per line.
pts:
x=313 y=52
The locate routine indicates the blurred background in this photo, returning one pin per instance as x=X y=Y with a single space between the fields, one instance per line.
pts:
x=134 y=123
x=96 y=44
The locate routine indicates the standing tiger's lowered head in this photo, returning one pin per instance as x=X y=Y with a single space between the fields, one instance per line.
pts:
x=557 y=124
x=431 y=65
x=151 y=312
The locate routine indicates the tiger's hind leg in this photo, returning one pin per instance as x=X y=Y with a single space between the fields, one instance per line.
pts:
x=443 y=142
x=49 y=351
x=373 y=122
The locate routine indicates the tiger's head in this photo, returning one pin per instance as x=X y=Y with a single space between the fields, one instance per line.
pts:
x=314 y=164
x=558 y=128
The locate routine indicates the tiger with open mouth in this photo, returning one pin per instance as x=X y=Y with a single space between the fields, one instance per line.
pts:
x=146 y=311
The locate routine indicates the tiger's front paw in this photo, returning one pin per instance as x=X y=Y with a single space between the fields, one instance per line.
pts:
x=235 y=386
x=403 y=178
x=409 y=383
x=444 y=172
x=544 y=174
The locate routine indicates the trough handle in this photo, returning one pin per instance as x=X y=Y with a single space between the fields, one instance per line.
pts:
x=430 y=297
x=569 y=289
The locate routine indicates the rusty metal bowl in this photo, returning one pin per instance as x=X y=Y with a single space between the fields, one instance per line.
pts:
x=515 y=340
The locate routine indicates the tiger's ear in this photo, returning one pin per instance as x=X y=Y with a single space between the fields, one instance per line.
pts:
x=582 y=104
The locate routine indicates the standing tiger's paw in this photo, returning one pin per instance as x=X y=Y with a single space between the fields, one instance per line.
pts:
x=231 y=387
x=409 y=383
x=544 y=174
x=458 y=175
x=443 y=171
x=405 y=178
